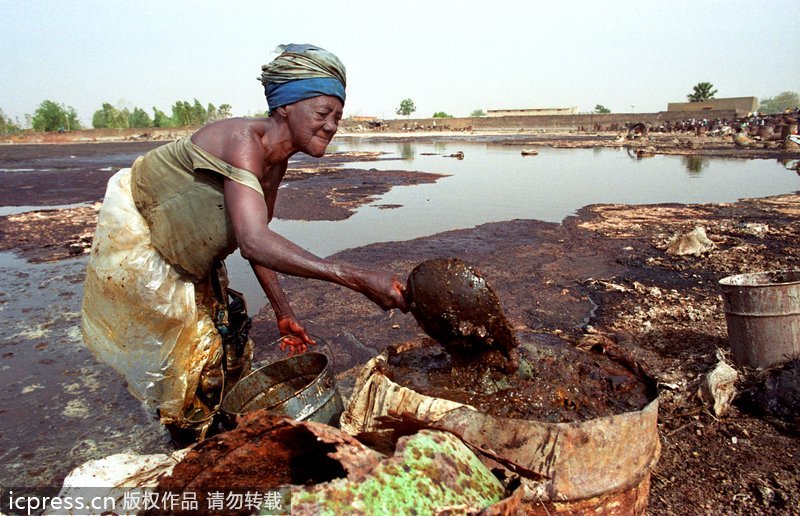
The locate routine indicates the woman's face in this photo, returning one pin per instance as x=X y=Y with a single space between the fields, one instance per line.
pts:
x=314 y=122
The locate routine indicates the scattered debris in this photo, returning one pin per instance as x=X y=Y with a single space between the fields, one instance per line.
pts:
x=646 y=152
x=718 y=388
x=753 y=228
x=693 y=243
x=116 y=475
x=775 y=395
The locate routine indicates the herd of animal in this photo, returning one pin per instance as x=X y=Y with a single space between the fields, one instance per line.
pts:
x=745 y=131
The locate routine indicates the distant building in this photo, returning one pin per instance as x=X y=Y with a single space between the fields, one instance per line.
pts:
x=363 y=118
x=741 y=105
x=533 y=111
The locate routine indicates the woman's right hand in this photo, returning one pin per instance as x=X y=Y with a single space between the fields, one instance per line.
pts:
x=293 y=335
x=383 y=289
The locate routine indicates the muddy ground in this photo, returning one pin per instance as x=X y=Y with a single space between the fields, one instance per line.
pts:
x=603 y=272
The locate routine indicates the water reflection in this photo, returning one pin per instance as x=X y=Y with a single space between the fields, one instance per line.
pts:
x=440 y=146
x=695 y=164
x=639 y=153
x=408 y=150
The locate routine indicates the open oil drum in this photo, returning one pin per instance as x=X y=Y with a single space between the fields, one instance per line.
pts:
x=599 y=465
x=301 y=387
x=762 y=311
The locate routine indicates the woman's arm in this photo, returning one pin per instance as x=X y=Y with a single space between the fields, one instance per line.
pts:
x=260 y=245
x=289 y=325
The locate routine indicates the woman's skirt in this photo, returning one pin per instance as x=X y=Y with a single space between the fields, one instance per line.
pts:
x=141 y=316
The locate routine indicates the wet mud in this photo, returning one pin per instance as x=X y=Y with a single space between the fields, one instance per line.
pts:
x=604 y=272
x=59 y=406
x=557 y=383
x=335 y=194
x=47 y=175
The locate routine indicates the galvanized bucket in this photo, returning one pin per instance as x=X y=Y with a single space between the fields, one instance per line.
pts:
x=763 y=314
x=301 y=387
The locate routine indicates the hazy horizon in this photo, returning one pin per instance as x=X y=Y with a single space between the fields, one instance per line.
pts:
x=446 y=56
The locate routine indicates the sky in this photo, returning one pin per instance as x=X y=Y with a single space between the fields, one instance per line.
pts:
x=451 y=56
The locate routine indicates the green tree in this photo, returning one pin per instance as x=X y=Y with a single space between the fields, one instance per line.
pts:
x=181 y=113
x=224 y=111
x=51 y=116
x=160 y=119
x=406 y=107
x=139 y=118
x=186 y=114
x=441 y=114
x=601 y=109
x=110 y=117
x=477 y=113
x=199 y=114
x=212 y=113
x=7 y=126
x=779 y=103
x=99 y=119
x=703 y=91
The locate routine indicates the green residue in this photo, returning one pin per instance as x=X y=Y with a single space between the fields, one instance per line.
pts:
x=433 y=470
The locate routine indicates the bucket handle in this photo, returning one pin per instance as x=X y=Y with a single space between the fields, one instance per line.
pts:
x=318 y=340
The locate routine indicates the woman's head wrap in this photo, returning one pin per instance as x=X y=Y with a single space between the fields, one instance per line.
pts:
x=301 y=72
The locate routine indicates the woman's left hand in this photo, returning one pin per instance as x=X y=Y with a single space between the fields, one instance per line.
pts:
x=294 y=335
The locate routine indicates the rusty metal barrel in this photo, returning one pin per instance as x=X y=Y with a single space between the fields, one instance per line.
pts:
x=301 y=387
x=598 y=466
x=762 y=311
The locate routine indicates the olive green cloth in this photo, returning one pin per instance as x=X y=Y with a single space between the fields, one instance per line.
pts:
x=178 y=189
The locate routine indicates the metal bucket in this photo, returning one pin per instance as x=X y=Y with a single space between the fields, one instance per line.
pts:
x=301 y=387
x=763 y=314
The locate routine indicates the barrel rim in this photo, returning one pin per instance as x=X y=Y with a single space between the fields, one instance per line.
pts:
x=735 y=280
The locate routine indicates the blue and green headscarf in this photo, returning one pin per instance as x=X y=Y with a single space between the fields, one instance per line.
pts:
x=301 y=72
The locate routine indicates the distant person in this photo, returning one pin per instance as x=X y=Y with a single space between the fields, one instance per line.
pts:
x=155 y=298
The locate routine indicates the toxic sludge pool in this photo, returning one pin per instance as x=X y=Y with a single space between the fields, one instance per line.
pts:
x=556 y=382
x=583 y=436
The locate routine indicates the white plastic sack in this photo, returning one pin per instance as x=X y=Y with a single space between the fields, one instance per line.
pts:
x=139 y=315
x=118 y=481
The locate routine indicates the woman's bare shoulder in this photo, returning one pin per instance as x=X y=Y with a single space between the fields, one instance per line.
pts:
x=237 y=141
x=231 y=131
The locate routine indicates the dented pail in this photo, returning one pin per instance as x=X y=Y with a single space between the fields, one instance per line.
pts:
x=763 y=314
x=301 y=387
x=599 y=466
